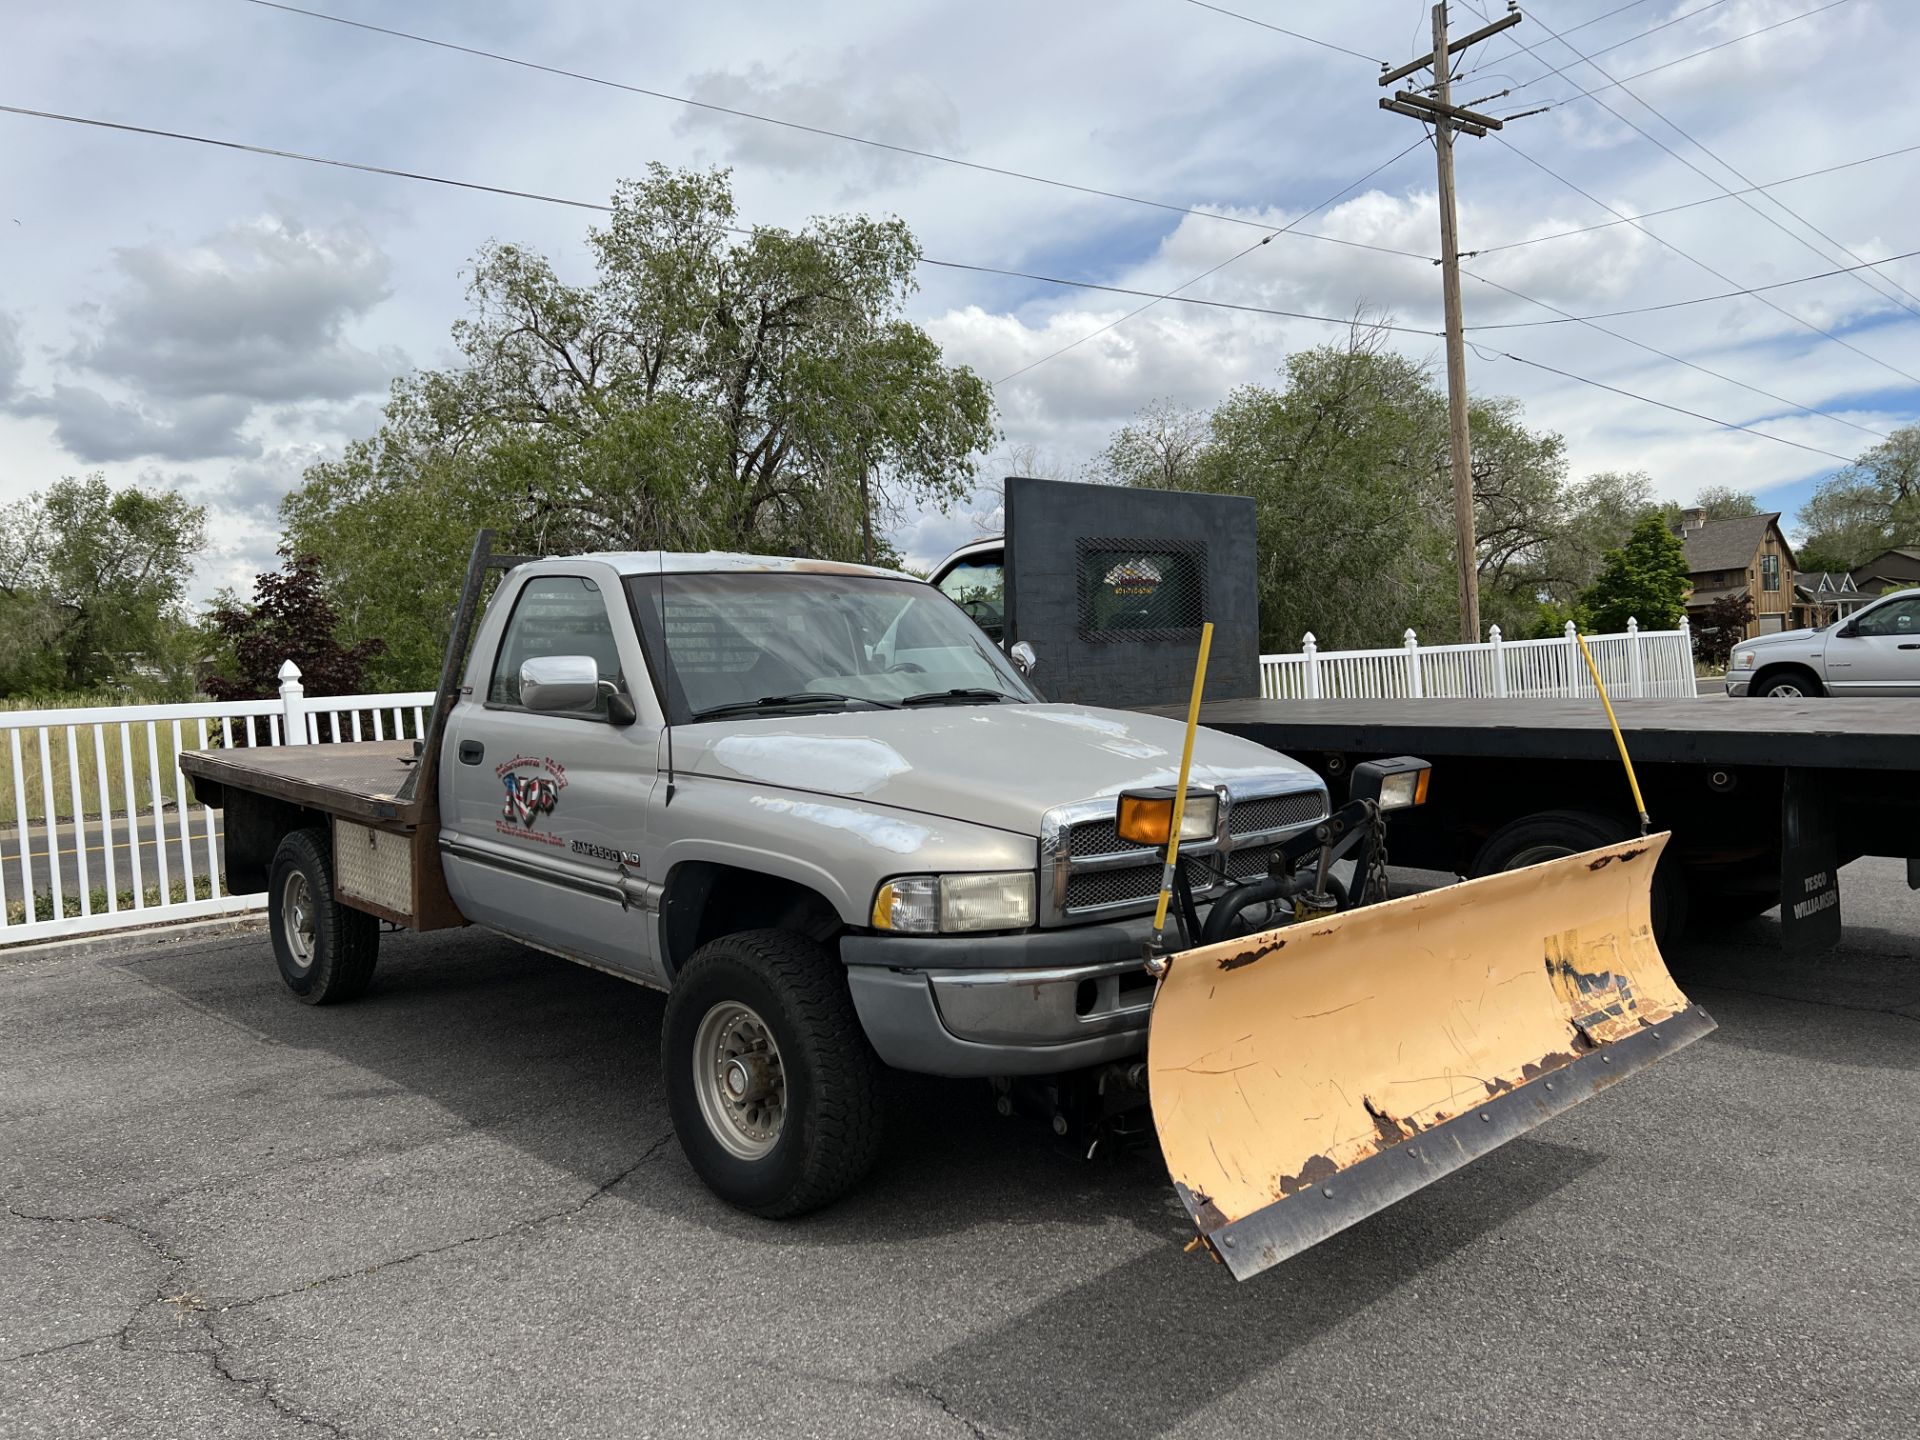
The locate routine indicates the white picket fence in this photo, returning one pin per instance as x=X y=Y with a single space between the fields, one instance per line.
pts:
x=129 y=827
x=1634 y=665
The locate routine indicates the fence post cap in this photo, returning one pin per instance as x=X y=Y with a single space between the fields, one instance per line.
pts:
x=1307 y=641
x=289 y=672
x=1571 y=630
x=1632 y=624
x=1493 y=634
x=1410 y=637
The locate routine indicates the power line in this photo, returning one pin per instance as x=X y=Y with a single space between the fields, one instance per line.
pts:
x=1649 y=400
x=975 y=165
x=1721 y=276
x=1617 y=10
x=1282 y=30
x=608 y=209
x=1683 y=59
x=1631 y=39
x=1693 y=204
x=114 y=125
x=1175 y=292
x=1746 y=180
x=1592 y=324
x=1702 y=147
x=1691 y=259
x=1699 y=299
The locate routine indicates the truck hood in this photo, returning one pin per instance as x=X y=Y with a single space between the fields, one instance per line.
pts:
x=1782 y=637
x=1002 y=765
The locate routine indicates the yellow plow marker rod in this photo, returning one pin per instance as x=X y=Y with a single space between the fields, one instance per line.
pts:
x=1180 y=788
x=1304 y=1078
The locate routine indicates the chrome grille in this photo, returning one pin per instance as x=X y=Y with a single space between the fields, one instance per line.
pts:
x=1247 y=817
x=1090 y=871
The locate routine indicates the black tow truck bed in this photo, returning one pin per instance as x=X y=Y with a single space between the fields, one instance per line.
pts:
x=1766 y=798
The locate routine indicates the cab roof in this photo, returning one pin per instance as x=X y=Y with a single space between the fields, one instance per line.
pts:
x=673 y=562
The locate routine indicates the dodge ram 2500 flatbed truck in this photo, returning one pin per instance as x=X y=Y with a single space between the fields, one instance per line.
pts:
x=817 y=806
x=811 y=801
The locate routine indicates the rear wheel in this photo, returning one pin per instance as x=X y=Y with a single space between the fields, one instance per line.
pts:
x=326 y=951
x=770 y=1081
x=1555 y=834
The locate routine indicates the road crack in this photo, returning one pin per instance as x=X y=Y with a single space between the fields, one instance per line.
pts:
x=526 y=1223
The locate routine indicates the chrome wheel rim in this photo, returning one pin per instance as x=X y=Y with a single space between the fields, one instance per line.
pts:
x=739 y=1080
x=1784 y=690
x=297 y=914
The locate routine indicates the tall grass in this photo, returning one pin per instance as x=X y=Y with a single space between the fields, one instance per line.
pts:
x=71 y=753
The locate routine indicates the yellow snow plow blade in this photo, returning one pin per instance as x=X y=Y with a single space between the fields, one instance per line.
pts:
x=1306 y=1077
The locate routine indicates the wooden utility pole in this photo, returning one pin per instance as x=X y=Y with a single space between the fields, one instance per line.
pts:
x=1438 y=110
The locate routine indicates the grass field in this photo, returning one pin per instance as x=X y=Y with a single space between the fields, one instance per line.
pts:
x=123 y=745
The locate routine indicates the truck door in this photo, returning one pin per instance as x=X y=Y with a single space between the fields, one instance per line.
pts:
x=1881 y=656
x=544 y=813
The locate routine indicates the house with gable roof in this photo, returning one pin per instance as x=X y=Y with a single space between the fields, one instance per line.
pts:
x=1748 y=555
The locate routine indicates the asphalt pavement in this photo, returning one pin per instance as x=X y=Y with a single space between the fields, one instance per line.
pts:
x=456 y=1208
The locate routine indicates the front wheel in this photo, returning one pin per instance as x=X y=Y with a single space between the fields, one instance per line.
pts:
x=1791 y=686
x=771 y=1084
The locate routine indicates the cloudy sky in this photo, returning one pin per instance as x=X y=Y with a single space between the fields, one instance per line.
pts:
x=214 y=320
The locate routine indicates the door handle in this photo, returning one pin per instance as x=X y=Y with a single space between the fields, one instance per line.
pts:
x=1911 y=645
x=471 y=752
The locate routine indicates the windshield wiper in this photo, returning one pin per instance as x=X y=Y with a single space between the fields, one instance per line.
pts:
x=950 y=697
x=778 y=702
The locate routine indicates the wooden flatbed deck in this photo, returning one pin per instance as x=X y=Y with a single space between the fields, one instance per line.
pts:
x=358 y=781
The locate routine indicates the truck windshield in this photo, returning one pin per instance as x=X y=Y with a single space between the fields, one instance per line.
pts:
x=767 y=642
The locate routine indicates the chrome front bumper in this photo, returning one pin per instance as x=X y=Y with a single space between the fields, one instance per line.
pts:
x=992 y=1014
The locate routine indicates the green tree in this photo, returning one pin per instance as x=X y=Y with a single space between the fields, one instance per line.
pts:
x=1645 y=579
x=1872 y=505
x=91 y=584
x=762 y=393
x=1347 y=466
x=289 y=618
x=1725 y=502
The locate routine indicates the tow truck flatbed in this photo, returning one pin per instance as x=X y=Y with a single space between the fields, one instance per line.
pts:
x=1766 y=799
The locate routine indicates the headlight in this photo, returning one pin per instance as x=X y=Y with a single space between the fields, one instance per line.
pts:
x=1391 y=784
x=955 y=904
x=1146 y=816
x=1743 y=659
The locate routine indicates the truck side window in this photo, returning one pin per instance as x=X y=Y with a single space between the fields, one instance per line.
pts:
x=556 y=615
x=1900 y=618
x=979 y=588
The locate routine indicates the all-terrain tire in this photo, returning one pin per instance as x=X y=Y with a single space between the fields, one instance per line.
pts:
x=1542 y=836
x=829 y=1130
x=326 y=950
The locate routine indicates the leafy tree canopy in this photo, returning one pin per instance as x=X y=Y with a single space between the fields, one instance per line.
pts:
x=1348 y=462
x=91 y=583
x=1726 y=502
x=705 y=391
x=1871 y=506
x=1646 y=579
x=290 y=618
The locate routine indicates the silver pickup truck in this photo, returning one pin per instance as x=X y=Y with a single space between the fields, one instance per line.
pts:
x=811 y=801
x=1875 y=651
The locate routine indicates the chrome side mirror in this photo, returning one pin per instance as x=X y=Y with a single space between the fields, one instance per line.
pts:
x=1023 y=657
x=559 y=682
